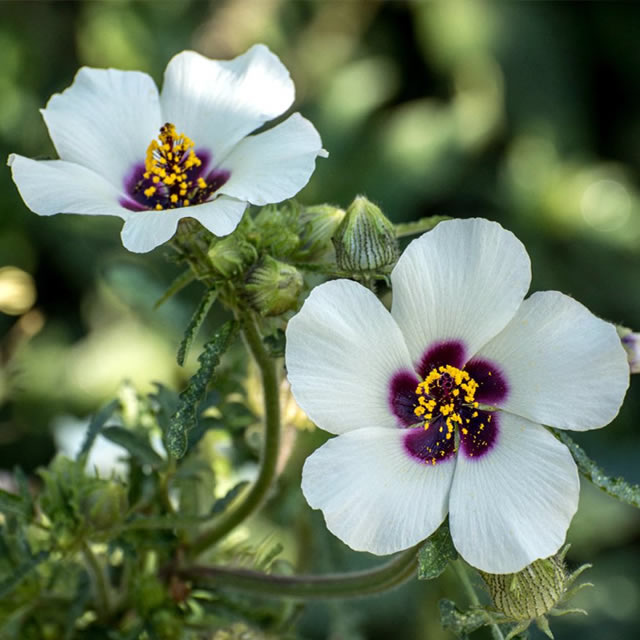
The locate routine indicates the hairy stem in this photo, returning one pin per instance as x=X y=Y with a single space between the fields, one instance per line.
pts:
x=461 y=570
x=254 y=498
x=308 y=587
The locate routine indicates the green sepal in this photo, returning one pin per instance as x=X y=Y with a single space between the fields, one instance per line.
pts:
x=436 y=553
x=95 y=426
x=617 y=487
x=135 y=444
x=185 y=278
x=185 y=416
x=195 y=323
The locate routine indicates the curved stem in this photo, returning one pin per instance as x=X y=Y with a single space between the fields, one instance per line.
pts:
x=339 y=585
x=461 y=570
x=254 y=498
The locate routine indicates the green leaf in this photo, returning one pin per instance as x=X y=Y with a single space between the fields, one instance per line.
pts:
x=223 y=503
x=418 y=226
x=178 y=284
x=461 y=623
x=21 y=572
x=135 y=444
x=194 y=325
x=436 y=553
x=617 y=487
x=77 y=604
x=23 y=489
x=97 y=422
x=185 y=417
x=11 y=503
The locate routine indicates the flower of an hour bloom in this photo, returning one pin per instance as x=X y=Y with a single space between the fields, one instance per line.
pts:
x=438 y=405
x=153 y=158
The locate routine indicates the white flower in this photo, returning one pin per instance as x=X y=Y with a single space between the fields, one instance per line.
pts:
x=439 y=404
x=151 y=159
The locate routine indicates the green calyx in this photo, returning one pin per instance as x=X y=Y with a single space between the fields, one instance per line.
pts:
x=273 y=287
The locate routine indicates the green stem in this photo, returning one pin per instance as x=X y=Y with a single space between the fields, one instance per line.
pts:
x=461 y=570
x=256 y=495
x=339 y=585
x=99 y=581
x=405 y=229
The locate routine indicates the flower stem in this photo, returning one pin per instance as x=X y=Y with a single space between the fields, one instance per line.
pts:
x=99 y=581
x=254 y=498
x=339 y=585
x=461 y=570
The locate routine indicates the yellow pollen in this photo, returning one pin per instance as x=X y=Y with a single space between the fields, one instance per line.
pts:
x=158 y=207
x=173 y=198
x=149 y=192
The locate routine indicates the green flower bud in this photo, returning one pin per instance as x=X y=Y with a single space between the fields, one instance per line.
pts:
x=105 y=505
x=273 y=287
x=317 y=225
x=275 y=228
x=534 y=592
x=365 y=240
x=229 y=256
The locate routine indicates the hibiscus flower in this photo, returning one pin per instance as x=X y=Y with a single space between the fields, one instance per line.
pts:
x=439 y=405
x=151 y=159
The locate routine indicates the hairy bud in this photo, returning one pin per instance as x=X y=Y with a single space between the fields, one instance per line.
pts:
x=365 y=240
x=273 y=287
x=317 y=225
x=230 y=255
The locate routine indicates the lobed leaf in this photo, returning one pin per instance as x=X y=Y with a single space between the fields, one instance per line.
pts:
x=460 y=623
x=223 y=503
x=185 y=278
x=195 y=323
x=185 y=417
x=617 y=487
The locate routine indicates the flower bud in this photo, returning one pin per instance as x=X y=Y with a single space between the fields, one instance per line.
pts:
x=365 y=240
x=317 y=225
x=534 y=592
x=230 y=255
x=631 y=343
x=105 y=505
x=275 y=227
x=273 y=287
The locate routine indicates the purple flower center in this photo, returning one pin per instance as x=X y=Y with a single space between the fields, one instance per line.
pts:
x=173 y=175
x=443 y=411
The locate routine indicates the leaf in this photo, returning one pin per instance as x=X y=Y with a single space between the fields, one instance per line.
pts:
x=436 y=553
x=418 y=226
x=223 y=503
x=23 y=489
x=95 y=425
x=21 y=572
x=135 y=444
x=195 y=323
x=459 y=622
x=184 y=419
x=11 y=503
x=617 y=487
x=178 y=284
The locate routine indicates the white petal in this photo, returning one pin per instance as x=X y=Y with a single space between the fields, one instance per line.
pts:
x=464 y=281
x=218 y=102
x=56 y=186
x=146 y=230
x=274 y=165
x=105 y=120
x=373 y=495
x=514 y=504
x=343 y=348
x=564 y=366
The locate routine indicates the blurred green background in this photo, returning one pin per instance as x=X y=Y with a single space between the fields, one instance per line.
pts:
x=525 y=113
